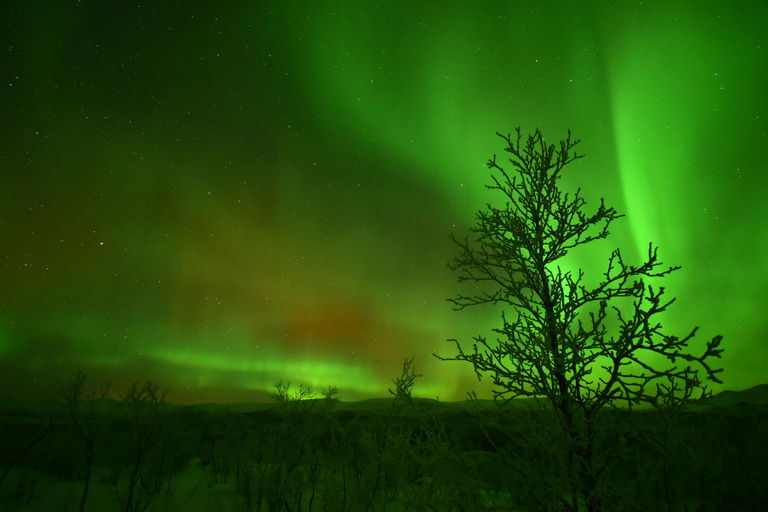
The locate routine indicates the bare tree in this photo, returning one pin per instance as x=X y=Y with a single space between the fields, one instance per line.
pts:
x=70 y=394
x=146 y=450
x=404 y=384
x=291 y=401
x=554 y=342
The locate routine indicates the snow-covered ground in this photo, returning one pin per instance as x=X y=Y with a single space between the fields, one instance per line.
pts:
x=190 y=490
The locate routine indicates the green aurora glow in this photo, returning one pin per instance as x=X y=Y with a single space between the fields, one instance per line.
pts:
x=220 y=197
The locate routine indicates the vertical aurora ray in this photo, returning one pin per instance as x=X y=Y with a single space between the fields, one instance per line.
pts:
x=678 y=90
x=666 y=71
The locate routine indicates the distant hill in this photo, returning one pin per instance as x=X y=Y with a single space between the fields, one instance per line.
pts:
x=756 y=395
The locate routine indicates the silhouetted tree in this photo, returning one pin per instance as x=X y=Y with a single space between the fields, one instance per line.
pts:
x=404 y=384
x=554 y=341
x=291 y=401
x=146 y=450
x=70 y=394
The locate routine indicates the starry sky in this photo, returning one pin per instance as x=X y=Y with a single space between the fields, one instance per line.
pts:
x=221 y=195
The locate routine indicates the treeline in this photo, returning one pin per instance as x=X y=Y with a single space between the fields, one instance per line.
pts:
x=309 y=455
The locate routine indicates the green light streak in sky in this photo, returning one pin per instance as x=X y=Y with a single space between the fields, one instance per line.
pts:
x=662 y=78
x=179 y=180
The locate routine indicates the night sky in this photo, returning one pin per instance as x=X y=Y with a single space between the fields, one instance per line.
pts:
x=221 y=195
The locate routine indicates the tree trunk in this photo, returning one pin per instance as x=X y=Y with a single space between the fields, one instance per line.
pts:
x=88 y=465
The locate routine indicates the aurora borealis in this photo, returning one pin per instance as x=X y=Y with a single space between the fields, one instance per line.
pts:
x=218 y=196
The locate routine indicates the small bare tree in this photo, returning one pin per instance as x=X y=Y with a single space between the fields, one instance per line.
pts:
x=291 y=401
x=331 y=396
x=404 y=384
x=553 y=343
x=146 y=450
x=331 y=393
x=70 y=394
